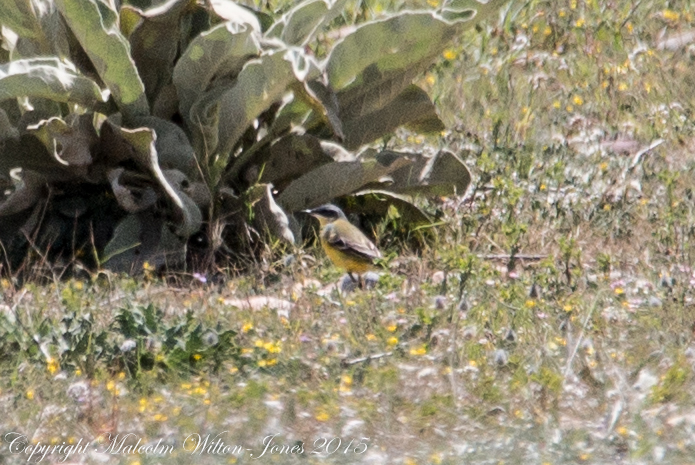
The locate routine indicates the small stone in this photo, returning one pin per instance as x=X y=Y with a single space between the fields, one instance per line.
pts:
x=535 y=292
x=645 y=381
x=370 y=279
x=210 y=338
x=501 y=357
x=438 y=277
x=128 y=345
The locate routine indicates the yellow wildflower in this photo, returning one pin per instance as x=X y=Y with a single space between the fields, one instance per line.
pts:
x=449 y=54
x=670 y=15
x=422 y=350
x=52 y=365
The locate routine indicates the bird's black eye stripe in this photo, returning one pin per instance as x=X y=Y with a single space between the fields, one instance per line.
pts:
x=328 y=213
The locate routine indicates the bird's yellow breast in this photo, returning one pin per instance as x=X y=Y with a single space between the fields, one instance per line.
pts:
x=343 y=260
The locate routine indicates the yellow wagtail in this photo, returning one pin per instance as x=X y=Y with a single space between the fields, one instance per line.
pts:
x=344 y=243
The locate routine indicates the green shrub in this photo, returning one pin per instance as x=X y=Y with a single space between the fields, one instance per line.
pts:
x=125 y=132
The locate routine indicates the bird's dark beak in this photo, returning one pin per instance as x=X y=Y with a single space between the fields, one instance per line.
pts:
x=309 y=212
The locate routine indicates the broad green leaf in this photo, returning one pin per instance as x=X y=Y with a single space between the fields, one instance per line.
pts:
x=261 y=83
x=139 y=145
x=380 y=48
x=459 y=11
x=7 y=129
x=129 y=17
x=143 y=140
x=294 y=111
x=324 y=102
x=205 y=114
x=335 y=180
x=39 y=27
x=412 y=107
x=30 y=154
x=4 y=54
x=125 y=238
x=392 y=45
x=166 y=104
x=174 y=151
x=299 y=25
x=71 y=144
x=139 y=238
x=446 y=168
x=130 y=194
x=29 y=188
x=20 y=16
x=336 y=151
x=48 y=78
x=378 y=202
x=199 y=192
x=268 y=216
x=291 y=157
x=374 y=64
x=154 y=44
x=197 y=20
x=55 y=31
x=357 y=101
x=16 y=228
x=230 y=11
x=443 y=174
x=96 y=27
x=191 y=214
x=220 y=52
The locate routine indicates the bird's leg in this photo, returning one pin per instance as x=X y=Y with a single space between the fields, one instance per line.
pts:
x=359 y=281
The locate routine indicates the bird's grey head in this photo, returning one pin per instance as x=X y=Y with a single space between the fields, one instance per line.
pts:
x=327 y=211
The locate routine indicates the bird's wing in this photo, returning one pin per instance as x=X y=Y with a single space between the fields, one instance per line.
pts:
x=358 y=245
